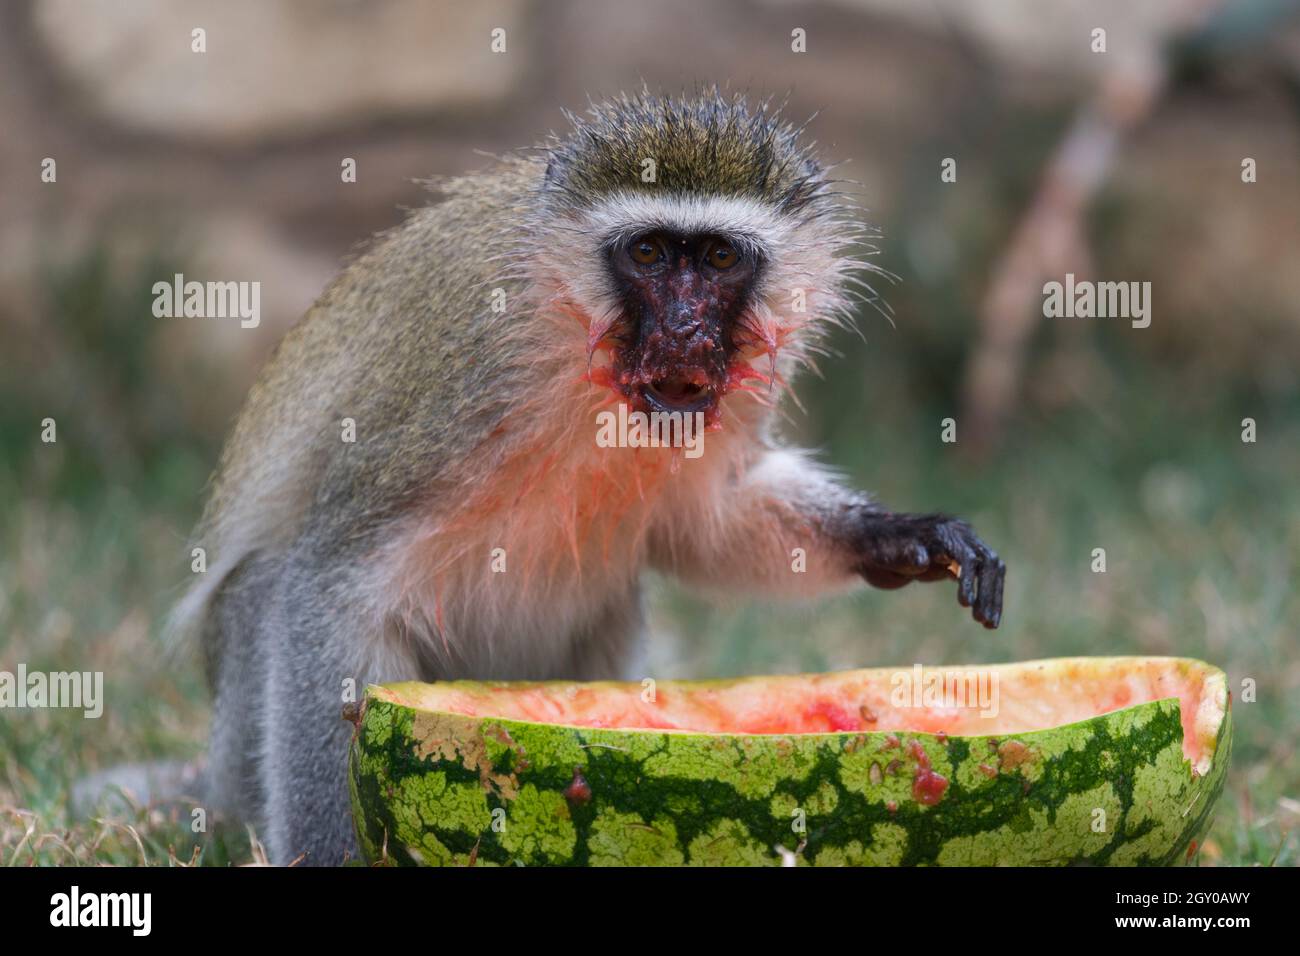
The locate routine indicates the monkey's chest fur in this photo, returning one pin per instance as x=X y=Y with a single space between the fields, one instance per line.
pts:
x=532 y=572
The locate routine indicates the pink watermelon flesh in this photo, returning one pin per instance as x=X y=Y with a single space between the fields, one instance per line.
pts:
x=1034 y=695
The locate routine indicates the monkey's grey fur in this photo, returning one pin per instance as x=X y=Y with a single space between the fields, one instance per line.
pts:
x=334 y=564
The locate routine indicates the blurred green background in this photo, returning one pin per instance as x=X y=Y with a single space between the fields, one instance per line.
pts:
x=226 y=165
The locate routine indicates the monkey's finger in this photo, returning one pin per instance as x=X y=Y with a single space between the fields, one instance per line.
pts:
x=990 y=599
x=1000 y=584
x=966 y=583
x=985 y=604
x=986 y=591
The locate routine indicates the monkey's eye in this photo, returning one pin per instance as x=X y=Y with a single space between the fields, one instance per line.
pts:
x=722 y=256
x=646 y=251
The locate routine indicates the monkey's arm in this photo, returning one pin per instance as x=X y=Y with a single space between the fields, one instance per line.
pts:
x=790 y=528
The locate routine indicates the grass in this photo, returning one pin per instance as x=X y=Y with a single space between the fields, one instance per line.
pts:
x=1200 y=530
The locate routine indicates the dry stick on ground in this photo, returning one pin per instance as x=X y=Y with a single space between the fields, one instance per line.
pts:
x=1049 y=240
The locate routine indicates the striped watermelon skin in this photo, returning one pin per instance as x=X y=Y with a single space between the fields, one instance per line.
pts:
x=438 y=788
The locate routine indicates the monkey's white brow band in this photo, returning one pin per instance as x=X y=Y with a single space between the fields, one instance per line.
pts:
x=623 y=215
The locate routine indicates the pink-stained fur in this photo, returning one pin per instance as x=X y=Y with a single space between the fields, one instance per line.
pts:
x=577 y=521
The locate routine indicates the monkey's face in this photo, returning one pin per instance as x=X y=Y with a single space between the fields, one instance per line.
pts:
x=683 y=301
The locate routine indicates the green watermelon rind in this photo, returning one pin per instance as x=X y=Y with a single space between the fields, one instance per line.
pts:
x=436 y=788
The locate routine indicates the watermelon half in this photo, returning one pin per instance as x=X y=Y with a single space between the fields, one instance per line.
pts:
x=1077 y=760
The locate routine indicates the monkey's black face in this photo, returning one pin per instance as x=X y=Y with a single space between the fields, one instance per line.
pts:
x=684 y=297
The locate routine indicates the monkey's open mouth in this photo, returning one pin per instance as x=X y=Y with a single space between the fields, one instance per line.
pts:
x=677 y=394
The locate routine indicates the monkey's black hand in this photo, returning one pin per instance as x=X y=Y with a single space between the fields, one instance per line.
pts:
x=898 y=549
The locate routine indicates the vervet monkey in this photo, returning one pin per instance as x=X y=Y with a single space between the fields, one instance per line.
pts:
x=414 y=490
